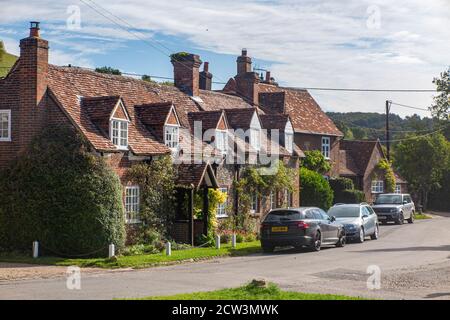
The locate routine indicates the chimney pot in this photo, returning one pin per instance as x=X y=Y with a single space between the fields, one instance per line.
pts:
x=268 y=78
x=205 y=81
x=206 y=67
x=34 y=29
x=244 y=52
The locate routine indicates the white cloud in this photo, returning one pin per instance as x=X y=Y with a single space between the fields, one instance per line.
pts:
x=311 y=43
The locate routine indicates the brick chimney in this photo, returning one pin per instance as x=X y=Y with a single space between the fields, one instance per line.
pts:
x=186 y=72
x=206 y=77
x=244 y=63
x=247 y=82
x=33 y=70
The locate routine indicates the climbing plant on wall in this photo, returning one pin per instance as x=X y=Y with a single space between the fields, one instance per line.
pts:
x=389 y=175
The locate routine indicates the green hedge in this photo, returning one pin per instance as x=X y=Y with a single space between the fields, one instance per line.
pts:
x=62 y=195
x=345 y=192
x=351 y=196
x=315 y=190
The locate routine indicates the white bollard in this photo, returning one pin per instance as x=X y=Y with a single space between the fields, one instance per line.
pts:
x=168 y=248
x=35 y=249
x=217 y=242
x=111 y=251
x=233 y=240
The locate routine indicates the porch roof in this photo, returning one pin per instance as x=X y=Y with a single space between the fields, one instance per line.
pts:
x=197 y=175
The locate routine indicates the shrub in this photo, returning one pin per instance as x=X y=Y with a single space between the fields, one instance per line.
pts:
x=139 y=249
x=250 y=237
x=315 y=190
x=62 y=195
x=352 y=196
x=315 y=161
x=239 y=238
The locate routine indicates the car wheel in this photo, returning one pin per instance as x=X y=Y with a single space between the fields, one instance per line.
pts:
x=400 y=219
x=362 y=235
x=375 y=234
x=317 y=242
x=342 y=241
x=411 y=219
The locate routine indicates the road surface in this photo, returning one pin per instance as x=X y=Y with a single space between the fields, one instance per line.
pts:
x=414 y=261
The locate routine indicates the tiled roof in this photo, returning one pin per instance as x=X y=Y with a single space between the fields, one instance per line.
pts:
x=154 y=116
x=274 y=121
x=357 y=155
x=305 y=113
x=195 y=174
x=240 y=118
x=68 y=85
x=209 y=119
x=214 y=100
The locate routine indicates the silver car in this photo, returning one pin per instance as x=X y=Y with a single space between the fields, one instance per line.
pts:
x=359 y=220
x=394 y=207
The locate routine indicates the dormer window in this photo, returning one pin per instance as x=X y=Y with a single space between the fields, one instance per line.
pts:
x=119 y=133
x=255 y=132
x=172 y=136
x=289 y=137
x=221 y=141
x=255 y=138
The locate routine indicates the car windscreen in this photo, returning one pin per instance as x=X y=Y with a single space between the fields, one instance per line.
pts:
x=283 y=215
x=344 y=211
x=389 y=199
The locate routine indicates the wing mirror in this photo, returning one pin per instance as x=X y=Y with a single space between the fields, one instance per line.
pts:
x=405 y=202
x=332 y=218
x=365 y=216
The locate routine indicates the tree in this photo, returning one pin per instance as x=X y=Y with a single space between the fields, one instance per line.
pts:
x=108 y=70
x=62 y=195
x=440 y=108
x=315 y=161
x=422 y=161
x=315 y=190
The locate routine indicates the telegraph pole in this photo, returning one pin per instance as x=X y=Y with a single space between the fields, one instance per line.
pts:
x=388 y=143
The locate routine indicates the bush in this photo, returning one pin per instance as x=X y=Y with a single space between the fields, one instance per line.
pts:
x=140 y=249
x=352 y=196
x=340 y=184
x=315 y=190
x=239 y=238
x=250 y=237
x=62 y=195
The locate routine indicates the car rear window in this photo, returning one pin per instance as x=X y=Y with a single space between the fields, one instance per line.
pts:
x=283 y=215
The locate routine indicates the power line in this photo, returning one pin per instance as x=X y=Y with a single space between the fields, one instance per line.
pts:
x=410 y=107
x=361 y=89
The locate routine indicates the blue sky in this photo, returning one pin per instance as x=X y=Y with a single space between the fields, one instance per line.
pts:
x=309 y=43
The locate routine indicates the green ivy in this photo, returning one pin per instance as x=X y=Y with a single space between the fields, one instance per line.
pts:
x=156 y=181
x=389 y=175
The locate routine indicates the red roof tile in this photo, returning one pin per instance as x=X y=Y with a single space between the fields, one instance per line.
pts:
x=305 y=113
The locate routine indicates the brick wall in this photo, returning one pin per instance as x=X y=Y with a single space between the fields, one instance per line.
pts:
x=308 y=142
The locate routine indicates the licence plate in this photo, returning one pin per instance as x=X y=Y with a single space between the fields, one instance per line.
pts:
x=279 y=229
x=381 y=217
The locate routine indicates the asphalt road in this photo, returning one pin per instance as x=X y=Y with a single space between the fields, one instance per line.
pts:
x=414 y=261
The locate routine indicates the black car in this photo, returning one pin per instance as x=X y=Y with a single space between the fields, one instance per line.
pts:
x=300 y=227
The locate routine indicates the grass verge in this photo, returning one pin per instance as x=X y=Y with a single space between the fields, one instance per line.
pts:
x=252 y=292
x=141 y=261
x=422 y=216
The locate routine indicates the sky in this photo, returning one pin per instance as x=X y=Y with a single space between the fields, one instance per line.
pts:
x=376 y=44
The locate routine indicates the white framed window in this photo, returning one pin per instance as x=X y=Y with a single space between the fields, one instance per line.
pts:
x=119 y=133
x=221 y=141
x=377 y=186
x=132 y=204
x=221 y=208
x=255 y=138
x=254 y=208
x=172 y=136
x=398 y=188
x=289 y=141
x=5 y=125
x=288 y=197
x=326 y=147
x=271 y=200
